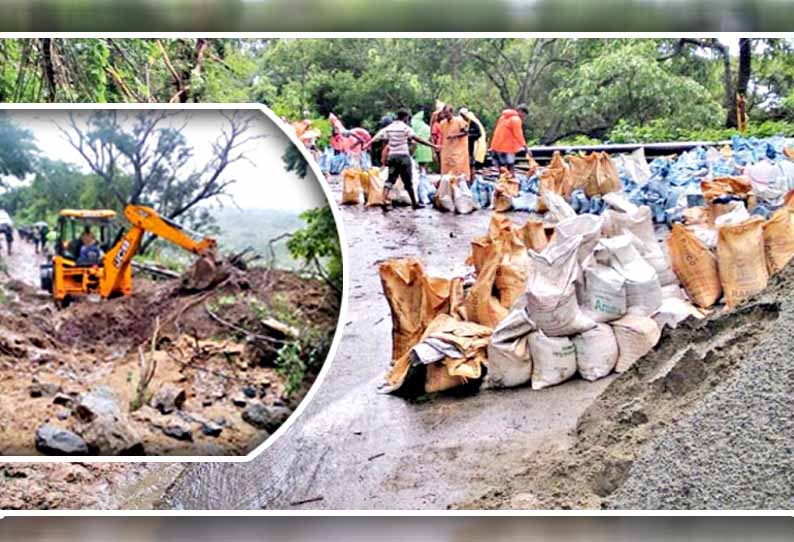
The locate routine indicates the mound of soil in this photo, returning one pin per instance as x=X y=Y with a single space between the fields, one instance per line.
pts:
x=659 y=436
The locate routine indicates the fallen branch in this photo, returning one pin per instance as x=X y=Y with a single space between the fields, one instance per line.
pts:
x=146 y=369
x=156 y=270
x=247 y=333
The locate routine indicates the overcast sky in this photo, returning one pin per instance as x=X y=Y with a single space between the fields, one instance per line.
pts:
x=261 y=181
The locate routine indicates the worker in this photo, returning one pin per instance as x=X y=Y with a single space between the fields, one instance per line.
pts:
x=478 y=140
x=423 y=155
x=435 y=125
x=8 y=233
x=89 y=251
x=454 y=144
x=508 y=137
x=399 y=135
x=339 y=141
x=41 y=237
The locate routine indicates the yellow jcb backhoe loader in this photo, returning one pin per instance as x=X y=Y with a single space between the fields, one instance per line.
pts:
x=89 y=260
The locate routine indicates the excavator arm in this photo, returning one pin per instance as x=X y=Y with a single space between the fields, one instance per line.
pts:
x=144 y=220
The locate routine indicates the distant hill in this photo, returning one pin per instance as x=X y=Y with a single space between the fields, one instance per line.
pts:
x=255 y=227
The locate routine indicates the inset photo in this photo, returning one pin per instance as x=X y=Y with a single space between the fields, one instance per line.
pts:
x=170 y=281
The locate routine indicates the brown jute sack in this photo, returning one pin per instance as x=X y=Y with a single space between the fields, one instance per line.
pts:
x=374 y=188
x=555 y=178
x=779 y=240
x=481 y=305
x=351 y=187
x=606 y=177
x=504 y=246
x=506 y=189
x=533 y=233
x=414 y=298
x=695 y=266
x=741 y=260
x=582 y=169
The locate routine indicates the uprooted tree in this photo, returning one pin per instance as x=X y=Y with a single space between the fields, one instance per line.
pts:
x=144 y=157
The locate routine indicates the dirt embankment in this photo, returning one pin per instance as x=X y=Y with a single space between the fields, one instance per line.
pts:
x=700 y=422
x=216 y=389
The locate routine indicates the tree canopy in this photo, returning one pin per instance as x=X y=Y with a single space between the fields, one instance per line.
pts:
x=600 y=88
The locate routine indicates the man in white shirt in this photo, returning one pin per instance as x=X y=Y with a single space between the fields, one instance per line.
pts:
x=399 y=136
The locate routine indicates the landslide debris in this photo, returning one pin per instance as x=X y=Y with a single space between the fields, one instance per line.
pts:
x=160 y=372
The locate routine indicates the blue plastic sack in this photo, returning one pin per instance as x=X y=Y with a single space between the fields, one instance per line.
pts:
x=482 y=191
x=425 y=189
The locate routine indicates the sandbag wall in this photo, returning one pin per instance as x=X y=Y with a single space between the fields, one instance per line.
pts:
x=577 y=294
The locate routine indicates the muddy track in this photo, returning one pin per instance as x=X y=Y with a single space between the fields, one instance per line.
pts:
x=643 y=405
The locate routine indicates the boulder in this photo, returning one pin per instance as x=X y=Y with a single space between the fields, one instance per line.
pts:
x=52 y=440
x=168 y=398
x=178 y=430
x=103 y=424
x=268 y=418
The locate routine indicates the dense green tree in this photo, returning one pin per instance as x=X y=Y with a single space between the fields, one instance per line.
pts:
x=18 y=150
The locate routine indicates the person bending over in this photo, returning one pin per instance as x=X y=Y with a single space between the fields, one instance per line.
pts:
x=399 y=135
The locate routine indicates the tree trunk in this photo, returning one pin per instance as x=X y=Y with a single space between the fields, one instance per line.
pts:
x=745 y=65
x=729 y=98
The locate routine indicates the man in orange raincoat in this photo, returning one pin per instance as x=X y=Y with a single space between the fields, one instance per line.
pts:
x=508 y=137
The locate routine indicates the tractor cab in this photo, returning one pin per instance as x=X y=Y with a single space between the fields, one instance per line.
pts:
x=83 y=236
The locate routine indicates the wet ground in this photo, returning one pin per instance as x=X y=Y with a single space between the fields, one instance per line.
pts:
x=354 y=448
x=23 y=263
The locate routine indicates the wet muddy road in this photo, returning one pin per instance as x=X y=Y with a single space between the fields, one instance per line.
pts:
x=23 y=263
x=354 y=448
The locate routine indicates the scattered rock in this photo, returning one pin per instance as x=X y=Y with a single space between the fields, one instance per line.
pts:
x=168 y=398
x=239 y=400
x=266 y=417
x=103 y=424
x=211 y=429
x=62 y=399
x=179 y=431
x=52 y=440
x=63 y=414
x=39 y=389
x=250 y=392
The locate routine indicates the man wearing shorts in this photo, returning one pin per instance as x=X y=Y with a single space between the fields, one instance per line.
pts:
x=508 y=137
x=399 y=136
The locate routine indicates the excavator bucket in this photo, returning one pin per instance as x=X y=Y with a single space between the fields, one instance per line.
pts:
x=203 y=274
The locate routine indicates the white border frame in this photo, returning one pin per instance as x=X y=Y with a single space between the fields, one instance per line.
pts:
x=342 y=318
x=343 y=309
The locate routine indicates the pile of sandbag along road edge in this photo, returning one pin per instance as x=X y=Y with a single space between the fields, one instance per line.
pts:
x=615 y=250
